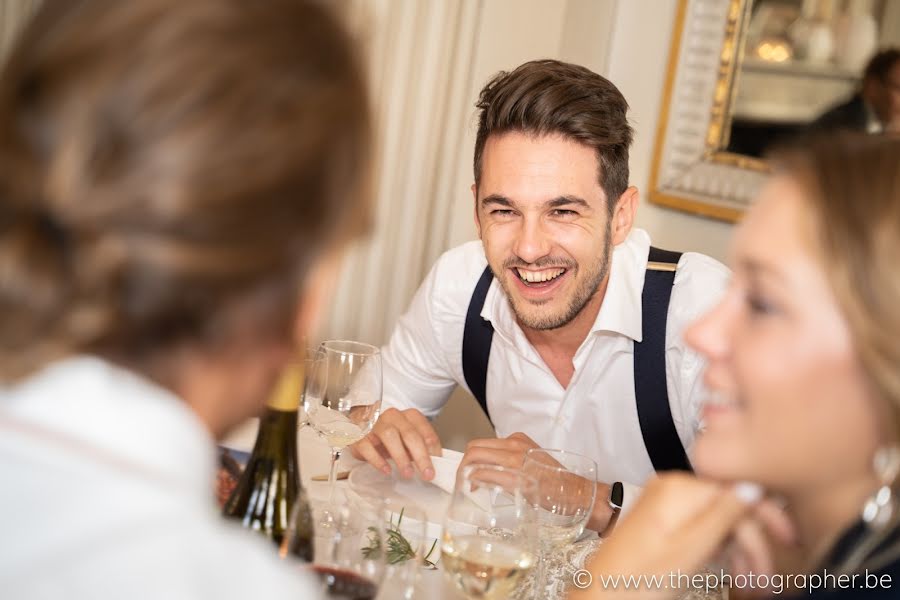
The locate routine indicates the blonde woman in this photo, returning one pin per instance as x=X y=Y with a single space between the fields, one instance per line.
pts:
x=804 y=371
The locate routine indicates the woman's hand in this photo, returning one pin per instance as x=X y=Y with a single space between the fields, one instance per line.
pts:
x=678 y=524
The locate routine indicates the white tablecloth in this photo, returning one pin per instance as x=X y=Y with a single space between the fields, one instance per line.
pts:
x=315 y=457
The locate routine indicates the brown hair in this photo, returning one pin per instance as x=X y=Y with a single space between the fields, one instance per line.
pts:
x=544 y=97
x=163 y=162
x=881 y=64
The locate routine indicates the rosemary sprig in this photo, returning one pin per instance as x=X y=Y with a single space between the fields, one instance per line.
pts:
x=398 y=547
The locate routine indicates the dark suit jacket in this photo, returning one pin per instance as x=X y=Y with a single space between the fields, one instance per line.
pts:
x=850 y=115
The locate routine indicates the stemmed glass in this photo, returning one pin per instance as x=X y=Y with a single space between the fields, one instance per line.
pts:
x=368 y=545
x=566 y=490
x=312 y=386
x=489 y=538
x=343 y=559
x=343 y=399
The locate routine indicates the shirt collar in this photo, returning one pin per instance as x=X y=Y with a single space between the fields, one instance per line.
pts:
x=620 y=311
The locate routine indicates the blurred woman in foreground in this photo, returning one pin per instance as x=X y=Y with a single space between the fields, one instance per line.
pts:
x=804 y=369
x=173 y=177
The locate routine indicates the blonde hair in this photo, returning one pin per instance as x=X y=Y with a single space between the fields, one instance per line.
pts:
x=853 y=195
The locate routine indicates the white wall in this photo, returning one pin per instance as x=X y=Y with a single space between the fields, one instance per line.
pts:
x=638 y=56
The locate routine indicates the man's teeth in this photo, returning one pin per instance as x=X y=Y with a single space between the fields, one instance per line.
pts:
x=539 y=276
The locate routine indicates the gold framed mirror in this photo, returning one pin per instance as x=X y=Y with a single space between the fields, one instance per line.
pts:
x=745 y=73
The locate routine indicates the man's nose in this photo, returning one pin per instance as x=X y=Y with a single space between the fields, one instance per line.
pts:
x=532 y=242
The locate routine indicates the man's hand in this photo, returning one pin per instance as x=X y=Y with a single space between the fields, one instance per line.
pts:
x=510 y=452
x=505 y=452
x=405 y=436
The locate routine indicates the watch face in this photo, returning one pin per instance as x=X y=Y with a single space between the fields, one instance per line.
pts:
x=617 y=494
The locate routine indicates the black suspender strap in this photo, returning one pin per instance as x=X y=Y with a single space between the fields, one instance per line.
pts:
x=654 y=412
x=477 y=337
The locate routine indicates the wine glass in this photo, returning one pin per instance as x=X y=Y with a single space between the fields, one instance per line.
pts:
x=489 y=538
x=406 y=547
x=344 y=401
x=566 y=490
x=312 y=384
x=346 y=555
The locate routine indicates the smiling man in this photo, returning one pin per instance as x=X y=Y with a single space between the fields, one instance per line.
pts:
x=562 y=320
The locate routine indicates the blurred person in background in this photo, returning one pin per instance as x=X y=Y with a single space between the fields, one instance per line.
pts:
x=804 y=367
x=175 y=179
x=875 y=108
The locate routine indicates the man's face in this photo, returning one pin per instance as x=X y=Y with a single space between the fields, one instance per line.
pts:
x=542 y=217
x=884 y=97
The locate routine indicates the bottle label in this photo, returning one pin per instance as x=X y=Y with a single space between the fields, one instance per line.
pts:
x=286 y=395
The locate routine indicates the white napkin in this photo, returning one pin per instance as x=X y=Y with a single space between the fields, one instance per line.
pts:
x=445 y=468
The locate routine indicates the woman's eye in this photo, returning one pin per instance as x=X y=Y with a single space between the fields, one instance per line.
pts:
x=759 y=306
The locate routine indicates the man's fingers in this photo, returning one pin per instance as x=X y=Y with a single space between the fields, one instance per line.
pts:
x=416 y=448
x=426 y=430
x=492 y=456
x=366 y=450
x=393 y=443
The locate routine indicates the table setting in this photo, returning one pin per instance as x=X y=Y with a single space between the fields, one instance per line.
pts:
x=480 y=532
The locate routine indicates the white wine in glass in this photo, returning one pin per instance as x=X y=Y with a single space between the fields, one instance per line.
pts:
x=348 y=383
x=489 y=540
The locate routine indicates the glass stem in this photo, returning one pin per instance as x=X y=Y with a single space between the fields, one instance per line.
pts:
x=540 y=580
x=335 y=455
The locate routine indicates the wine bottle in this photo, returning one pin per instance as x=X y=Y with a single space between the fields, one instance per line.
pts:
x=270 y=484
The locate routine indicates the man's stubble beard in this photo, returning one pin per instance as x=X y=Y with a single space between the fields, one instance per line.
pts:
x=580 y=299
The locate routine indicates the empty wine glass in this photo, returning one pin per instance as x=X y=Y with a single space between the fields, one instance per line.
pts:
x=566 y=490
x=345 y=399
x=312 y=391
x=489 y=538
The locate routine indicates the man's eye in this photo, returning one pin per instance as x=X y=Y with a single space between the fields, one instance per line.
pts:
x=502 y=212
x=562 y=212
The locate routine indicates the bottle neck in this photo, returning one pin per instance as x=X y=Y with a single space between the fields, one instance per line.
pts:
x=277 y=434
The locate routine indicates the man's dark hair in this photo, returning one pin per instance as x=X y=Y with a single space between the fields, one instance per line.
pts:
x=881 y=63
x=548 y=96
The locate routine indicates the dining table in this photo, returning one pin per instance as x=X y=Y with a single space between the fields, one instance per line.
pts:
x=314 y=457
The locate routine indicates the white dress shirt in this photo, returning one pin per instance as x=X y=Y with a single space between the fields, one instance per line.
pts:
x=596 y=414
x=108 y=493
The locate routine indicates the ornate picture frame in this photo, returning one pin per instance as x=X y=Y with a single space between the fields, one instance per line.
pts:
x=690 y=171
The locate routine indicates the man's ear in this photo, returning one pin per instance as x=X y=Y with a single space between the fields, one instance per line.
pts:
x=623 y=216
x=475 y=205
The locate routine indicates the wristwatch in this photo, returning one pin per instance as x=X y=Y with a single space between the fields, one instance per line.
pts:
x=616 y=497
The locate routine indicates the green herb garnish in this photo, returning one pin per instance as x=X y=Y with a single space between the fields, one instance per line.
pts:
x=398 y=547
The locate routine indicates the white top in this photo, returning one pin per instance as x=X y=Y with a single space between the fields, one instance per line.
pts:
x=596 y=415
x=108 y=493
